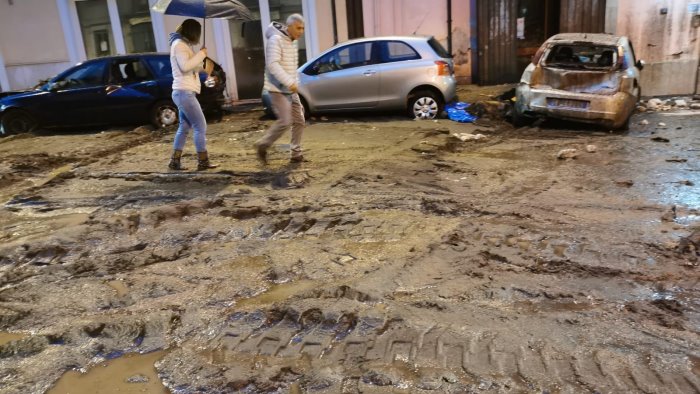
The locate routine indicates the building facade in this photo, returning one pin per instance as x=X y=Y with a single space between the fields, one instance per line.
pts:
x=491 y=40
x=666 y=35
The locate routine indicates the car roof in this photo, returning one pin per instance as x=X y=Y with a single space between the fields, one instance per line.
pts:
x=416 y=38
x=594 y=38
x=126 y=56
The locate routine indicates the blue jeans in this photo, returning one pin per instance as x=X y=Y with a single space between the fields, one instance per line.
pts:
x=191 y=117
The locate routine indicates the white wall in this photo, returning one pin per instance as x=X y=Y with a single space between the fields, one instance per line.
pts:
x=668 y=43
x=31 y=51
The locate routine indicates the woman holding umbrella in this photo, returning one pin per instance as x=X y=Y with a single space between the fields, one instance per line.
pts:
x=186 y=65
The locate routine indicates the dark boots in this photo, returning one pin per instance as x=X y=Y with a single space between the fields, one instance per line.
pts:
x=175 y=161
x=203 y=161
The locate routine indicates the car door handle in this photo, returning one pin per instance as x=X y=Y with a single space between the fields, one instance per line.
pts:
x=369 y=73
x=111 y=88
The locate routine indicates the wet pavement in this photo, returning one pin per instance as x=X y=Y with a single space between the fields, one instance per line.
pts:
x=399 y=258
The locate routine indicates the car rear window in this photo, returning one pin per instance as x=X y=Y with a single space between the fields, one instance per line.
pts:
x=397 y=51
x=160 y=66
x=438 y=48
x=582 y=56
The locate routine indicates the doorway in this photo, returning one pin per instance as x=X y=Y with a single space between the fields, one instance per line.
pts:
x=248 y=43
x=509 y=32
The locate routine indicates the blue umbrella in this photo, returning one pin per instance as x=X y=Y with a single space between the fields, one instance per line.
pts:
x=228 y=9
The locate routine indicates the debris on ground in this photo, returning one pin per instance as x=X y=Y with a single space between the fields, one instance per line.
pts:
x=469 y=137
x=681 y=103
x=591 y=148
x=458 y=112
x=644 y=122
x=660 y=139
x=567 y=154
x=626 y=183
x=670 y=215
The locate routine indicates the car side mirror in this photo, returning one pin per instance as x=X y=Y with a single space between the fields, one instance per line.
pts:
x=640 y=64
x=312 y=69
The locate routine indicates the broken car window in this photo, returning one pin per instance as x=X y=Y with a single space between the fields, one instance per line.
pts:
x=582 y=56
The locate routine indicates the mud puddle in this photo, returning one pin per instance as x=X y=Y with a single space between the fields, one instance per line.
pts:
x=133 y=373
x=276 y=293
x=7 y=337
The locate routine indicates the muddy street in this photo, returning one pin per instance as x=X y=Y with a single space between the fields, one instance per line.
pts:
x=400 y=258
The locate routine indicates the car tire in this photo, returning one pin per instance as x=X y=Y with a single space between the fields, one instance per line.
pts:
x=164 y=113
x=517 y=118
x=425 y=104
x=17 y=121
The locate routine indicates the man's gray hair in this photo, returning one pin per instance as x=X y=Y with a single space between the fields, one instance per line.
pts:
x=295 y=18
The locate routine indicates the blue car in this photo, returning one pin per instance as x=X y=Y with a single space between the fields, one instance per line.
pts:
x=126 y=89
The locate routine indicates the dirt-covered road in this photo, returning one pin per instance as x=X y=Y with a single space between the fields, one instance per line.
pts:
x=399 y=258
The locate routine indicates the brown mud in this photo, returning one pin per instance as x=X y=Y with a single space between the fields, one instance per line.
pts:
x=397 y=259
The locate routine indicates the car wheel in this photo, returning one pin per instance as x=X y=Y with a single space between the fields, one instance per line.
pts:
x=424 y=104
x=517 y=118
x=17 y=121
x=164 y=114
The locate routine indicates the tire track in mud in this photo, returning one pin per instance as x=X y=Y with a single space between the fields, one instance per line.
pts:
x=323 y=350
x=528 y=290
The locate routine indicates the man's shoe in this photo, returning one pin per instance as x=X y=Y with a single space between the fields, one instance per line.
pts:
x=261 y=153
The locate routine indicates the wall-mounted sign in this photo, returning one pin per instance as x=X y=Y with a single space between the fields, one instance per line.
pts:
x=521 y=28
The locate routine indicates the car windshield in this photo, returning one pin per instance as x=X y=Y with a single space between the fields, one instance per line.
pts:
x=582 y=56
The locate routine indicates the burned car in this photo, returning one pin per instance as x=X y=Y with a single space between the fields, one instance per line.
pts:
x=591 y=78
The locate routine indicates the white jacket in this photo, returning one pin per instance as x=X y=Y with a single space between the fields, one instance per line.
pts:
x=281 y=59
x=186 y=66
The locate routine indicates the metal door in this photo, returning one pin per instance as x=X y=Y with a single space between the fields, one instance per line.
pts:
x=579 y=16
x=497 y=62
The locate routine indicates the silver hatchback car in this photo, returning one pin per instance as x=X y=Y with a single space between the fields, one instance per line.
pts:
x=411 y=73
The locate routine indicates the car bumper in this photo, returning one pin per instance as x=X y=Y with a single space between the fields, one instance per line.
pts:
x=448 y=87
x=607 y=110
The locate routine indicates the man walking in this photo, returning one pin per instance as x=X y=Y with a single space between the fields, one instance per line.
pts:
x=281 y=62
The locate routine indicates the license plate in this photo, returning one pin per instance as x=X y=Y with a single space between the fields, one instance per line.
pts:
x=568 y=103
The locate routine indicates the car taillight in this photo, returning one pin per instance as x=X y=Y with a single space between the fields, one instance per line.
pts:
x=443 y=68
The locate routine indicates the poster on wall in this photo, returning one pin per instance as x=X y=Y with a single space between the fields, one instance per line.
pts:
x=521 y=28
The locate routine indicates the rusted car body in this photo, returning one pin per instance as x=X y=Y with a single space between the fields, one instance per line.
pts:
x=592 y=78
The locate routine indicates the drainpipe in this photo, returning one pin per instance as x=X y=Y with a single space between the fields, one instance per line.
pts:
x=335 y=23
x=449 y=26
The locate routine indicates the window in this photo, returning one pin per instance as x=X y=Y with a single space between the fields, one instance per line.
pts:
x=397 y=51
x=128 y=71
x=135 y=17
x=351 y=56
x=438 y=48
x=582 y=56
x=85 y=76
x=95 y=25
x=160 y=66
